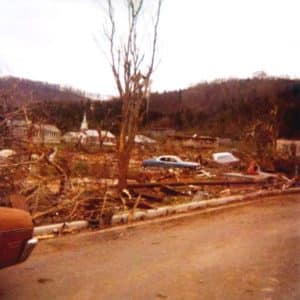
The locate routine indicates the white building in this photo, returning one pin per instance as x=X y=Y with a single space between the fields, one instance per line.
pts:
x=286 y=147
x=71 y=137
x=89 y=136
x=35 y=133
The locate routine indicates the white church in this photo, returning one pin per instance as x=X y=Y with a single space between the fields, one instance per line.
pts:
x=88 y=136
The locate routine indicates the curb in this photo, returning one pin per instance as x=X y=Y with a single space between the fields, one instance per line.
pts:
x=127 y=217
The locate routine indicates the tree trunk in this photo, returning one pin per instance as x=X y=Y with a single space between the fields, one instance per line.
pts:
x=124 y=158
x=132 y=76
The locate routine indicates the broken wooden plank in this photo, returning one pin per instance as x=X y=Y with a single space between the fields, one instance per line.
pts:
x=142 y=204
x=199 y=183
x=148 y=196
x=145 y=204
x=171 y=191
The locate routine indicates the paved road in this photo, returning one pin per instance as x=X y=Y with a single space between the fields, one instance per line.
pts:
x=252 y=252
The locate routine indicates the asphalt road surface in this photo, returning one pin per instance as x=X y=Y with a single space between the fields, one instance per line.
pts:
x=251 y=252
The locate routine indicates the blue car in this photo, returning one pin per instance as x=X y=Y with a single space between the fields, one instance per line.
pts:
x=170 y=161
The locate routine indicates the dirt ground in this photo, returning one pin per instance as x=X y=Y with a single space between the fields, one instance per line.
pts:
x=249 y=252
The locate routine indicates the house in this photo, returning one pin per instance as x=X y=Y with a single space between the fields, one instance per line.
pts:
x=35 y=133
x=107 y=138
x=89 y=137
x=287 y=147
x=46 y=134
x=107 y=135
x=19 y=128
x=71 y=137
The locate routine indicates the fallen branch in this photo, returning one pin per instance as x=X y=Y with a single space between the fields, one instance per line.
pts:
x=20 y=164
x=170 y=191
x=148 y=196
x=57 y=208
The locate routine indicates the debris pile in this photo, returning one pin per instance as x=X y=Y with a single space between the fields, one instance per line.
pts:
x=59 y=184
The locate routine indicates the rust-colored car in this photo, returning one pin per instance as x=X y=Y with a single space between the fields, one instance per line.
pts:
x=16 y=241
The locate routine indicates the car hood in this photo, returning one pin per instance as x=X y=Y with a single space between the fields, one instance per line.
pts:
x=13 y=219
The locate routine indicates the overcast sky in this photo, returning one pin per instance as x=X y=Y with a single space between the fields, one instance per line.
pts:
x=199 y=40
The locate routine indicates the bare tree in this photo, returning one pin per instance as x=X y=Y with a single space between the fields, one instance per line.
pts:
x=132 y=76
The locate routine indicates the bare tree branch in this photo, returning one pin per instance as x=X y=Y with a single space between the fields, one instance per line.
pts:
x=132 y=84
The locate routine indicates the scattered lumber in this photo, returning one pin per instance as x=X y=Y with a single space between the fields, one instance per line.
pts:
x=198 y=183
x=171 y=191
x=148 y=196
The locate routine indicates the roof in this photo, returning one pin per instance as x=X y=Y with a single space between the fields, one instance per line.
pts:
x=142 y=139
x=288 y=140
x=49 y=127
x=23 y=123
x=107 y=134
x=72 y=134
x=196 y=137
x=91 y=133
x=19 y=123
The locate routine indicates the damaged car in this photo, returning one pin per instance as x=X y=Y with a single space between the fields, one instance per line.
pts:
x=170 y=161
x=225 y=158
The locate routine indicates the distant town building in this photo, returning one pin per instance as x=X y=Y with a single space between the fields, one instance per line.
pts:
x=288 y=147
x=46 y=133
x=71 y=137
x=88 y=136
x=35 y=133
x=107 y=138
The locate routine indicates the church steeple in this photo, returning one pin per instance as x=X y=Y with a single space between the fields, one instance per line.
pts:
x=84 y=123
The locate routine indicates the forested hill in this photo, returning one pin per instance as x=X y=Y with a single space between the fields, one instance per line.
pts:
x=223 y=108
x=231 y=107
x=17 y=91
x=211 y=96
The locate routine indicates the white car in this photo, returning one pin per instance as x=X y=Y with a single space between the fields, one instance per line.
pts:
x=225 y=158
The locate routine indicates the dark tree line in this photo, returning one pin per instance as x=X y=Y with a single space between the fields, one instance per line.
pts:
x=232 y=107
x=226 y=108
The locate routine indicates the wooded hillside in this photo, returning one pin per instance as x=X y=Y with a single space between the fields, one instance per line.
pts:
x=16 y=91
x=231 y=106
x=224 y=108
